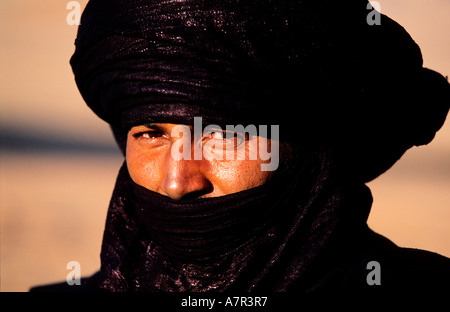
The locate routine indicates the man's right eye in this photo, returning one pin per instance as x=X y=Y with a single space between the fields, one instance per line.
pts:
x=152 y=134
x=149 y=134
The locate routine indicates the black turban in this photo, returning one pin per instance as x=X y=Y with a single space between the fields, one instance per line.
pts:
x=352 y=96
x=316 y=67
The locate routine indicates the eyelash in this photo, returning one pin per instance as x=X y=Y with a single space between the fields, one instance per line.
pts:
x=151 y=134
x=225 y=137
x=157 y=134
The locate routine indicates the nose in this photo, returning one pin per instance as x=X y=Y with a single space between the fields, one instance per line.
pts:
x=184 y=179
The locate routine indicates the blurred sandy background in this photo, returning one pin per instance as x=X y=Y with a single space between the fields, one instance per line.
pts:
x=58 y=162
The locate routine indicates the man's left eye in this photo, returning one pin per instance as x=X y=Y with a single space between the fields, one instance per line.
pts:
x=226 y=137
x=217 y=135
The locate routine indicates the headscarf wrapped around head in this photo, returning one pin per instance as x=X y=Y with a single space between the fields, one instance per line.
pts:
x=316 y=68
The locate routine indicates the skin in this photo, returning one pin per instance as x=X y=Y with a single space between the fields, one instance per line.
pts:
x=152 y=165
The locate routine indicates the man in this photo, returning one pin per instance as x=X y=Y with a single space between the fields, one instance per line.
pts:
x=343 y=101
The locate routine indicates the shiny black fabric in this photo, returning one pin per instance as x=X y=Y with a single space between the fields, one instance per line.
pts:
x=142 y=255
x=206 y=229
x=319 y=63
x=355 y=96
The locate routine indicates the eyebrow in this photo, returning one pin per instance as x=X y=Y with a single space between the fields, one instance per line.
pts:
x=154 y=126
x=151 y=126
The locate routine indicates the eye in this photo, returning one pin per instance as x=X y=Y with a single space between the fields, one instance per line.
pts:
x=151 y=134
x=226 y=137
x=217 y=135
x=148 y=135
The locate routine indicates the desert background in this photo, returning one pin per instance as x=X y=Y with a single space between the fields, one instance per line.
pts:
x=58 y=161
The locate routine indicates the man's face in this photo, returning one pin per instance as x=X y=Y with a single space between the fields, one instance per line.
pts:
x=154 y=162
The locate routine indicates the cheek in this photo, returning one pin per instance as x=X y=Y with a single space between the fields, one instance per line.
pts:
x=231 y=176
x=144 y=166
x=235 y=176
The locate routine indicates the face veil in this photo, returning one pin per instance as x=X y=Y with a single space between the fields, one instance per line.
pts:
x=350 y=97
x=260 y=239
